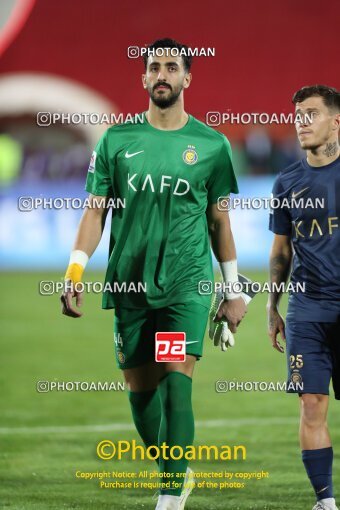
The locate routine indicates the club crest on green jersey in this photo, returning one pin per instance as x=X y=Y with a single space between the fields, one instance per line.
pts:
x=190 y=156
x=121 y=357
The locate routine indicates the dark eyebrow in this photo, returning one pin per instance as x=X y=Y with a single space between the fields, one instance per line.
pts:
x=308 y=110
x=168 y=64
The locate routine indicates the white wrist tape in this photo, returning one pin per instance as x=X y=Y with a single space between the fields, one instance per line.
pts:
x=230 y=277
x=79 y=257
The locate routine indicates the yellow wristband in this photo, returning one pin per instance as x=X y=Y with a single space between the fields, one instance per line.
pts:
x=74 y=272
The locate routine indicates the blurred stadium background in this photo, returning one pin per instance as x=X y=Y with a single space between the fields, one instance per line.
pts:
x=71 y=57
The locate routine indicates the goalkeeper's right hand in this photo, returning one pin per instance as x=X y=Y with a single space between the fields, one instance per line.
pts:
x=73 y=276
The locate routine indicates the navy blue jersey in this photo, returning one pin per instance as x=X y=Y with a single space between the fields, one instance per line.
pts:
x=309 y=213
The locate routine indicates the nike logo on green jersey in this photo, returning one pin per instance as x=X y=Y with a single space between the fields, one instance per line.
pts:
x=127 y=155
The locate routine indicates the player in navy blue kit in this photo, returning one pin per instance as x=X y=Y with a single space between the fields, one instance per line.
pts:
x=307 y=231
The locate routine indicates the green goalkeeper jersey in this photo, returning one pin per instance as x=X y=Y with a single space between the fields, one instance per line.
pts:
x=164 y=181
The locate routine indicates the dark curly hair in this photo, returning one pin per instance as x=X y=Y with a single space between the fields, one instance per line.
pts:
x=329 y=95
x=170 y=43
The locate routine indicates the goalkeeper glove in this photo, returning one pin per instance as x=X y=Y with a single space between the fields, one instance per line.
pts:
x=219 y=332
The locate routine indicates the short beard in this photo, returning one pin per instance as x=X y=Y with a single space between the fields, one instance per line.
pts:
x=309 y=147
x=165 y=102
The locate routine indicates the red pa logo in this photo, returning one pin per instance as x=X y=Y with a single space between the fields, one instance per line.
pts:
x=170 y=347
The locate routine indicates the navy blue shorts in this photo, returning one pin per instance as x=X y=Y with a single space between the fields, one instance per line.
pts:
x=313 y=357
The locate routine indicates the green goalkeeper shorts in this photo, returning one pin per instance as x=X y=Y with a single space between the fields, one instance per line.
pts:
x=135 y=331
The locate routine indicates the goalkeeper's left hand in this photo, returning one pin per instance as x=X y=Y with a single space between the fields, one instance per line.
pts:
x=224 y=318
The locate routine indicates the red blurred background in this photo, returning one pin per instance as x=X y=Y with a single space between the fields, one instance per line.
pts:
x=265 y=50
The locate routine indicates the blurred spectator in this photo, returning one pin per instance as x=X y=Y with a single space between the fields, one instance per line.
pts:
x=10 y=159
x=31 y=153
x=240 y=161
x=287 y=152
x=259 y=150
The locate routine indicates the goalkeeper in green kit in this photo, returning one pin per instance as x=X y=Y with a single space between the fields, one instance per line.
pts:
x=169 y=170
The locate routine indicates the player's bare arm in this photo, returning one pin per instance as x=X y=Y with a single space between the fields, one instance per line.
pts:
x=223 y=246
x=280 y=262
x=89 y=234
